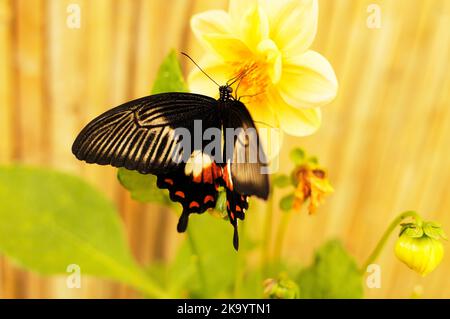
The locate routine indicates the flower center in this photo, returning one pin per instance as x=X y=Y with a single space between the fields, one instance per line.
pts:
x=256 y=74
x=252 y=80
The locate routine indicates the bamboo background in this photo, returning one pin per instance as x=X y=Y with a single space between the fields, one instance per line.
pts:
x=385 y=139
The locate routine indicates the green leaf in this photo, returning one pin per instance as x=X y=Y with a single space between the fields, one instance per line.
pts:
x=334 y=274
x=170 y=76
x=206 y=262
x=143 y=187
x=287 y=202
x=297 y=156
x=281 y=181
x=433 y=230
x=50 y=220
x=411 y=230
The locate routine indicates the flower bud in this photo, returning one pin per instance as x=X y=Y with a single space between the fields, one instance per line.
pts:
x=282 y=288
x=419 y=246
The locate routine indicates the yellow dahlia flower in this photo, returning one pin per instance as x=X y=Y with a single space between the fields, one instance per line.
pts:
x=269 y=40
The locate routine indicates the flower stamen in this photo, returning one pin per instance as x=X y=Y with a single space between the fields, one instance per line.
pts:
x=254 y=81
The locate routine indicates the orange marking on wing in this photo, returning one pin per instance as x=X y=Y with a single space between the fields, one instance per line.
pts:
x=228 y=204
x=216 y=170
x=208 y=198
x=232 y=215
x=197 y=179
x=194 y=204
x=207 y=175
x=169 y=181
x=238 y=209
x=180 y=194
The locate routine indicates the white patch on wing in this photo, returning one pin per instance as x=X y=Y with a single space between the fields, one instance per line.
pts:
x=196 y=163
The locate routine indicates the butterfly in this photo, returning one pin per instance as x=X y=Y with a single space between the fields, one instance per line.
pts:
x=145 y=135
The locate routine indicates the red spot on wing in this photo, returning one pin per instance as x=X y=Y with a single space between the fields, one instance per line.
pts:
x=232 y=215
x=198 y=178
x=194 y=204
x=216 y=171
x=180 y=194
x=208 y=198
x=207 y=175
x=238 y=208
x=169 y=181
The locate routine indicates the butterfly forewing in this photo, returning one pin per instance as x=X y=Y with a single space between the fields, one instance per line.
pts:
x=142 y=134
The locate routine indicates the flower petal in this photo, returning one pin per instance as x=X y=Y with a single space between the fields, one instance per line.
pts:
x=227 y=47
x=295 y=121
x=270 y=53
x=237 y=8
x=214 y=30
x=211 y=22
x=254 y=26
x=293 y=24
x=307 y=81
x=269 y=131
x=214 y=67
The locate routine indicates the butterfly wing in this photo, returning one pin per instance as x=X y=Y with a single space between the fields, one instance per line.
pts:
x=245 y=158
x=196 y=194
x=141 y=134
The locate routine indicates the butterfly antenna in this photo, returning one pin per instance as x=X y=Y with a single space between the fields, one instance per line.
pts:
x=186 y=55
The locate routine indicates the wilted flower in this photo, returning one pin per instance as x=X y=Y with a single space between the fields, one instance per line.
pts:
x=285 y=83
x=312 y=185
x=419 y=246
x=281 y=288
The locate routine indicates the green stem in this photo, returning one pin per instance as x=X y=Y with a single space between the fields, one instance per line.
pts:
x=267 y=233
x=198 y=260
x=281 y=234
x=379 y=247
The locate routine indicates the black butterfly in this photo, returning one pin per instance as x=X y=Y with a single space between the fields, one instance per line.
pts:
x=142 y=135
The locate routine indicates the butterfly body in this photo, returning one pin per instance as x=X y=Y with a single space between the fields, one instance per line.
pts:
x=145 y=135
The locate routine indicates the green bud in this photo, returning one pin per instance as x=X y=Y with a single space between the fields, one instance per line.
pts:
x=281 y=288
x=419 y=246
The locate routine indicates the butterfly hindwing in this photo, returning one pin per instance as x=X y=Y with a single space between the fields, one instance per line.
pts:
x=194 y=197
x=237 y=204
